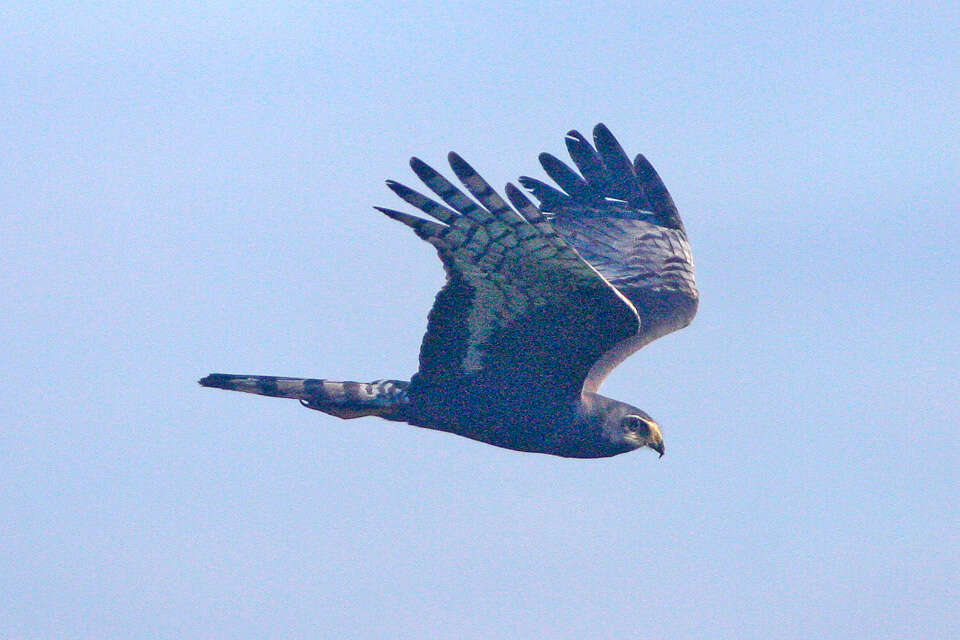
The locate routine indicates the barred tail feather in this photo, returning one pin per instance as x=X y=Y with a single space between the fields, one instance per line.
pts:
x=383 y=398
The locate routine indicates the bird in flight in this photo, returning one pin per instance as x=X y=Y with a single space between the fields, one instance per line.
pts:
x=541 y=302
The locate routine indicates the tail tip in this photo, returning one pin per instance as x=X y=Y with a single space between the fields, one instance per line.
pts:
x=217 y=380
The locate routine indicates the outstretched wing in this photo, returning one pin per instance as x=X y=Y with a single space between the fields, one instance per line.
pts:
x=621 y=219
x=522 y=317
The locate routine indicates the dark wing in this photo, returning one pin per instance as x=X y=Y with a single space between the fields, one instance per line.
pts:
x=621 y=219
x=522 y=317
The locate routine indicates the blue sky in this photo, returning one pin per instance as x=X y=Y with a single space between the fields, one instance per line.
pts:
x=189 y=188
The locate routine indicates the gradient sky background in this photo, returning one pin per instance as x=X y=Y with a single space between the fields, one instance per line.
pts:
x=188 y=187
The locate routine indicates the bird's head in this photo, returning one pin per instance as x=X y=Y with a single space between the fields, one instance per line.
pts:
x=641 y=430
x=624 y=426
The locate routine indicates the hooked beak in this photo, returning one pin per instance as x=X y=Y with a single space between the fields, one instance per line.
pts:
x=657 y=447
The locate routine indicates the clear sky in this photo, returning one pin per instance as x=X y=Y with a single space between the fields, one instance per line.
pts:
x=188 y=187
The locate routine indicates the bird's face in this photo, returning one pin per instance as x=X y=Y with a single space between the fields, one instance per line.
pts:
x=643 y=431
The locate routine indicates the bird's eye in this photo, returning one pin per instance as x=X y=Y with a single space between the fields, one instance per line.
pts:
x=636 y=423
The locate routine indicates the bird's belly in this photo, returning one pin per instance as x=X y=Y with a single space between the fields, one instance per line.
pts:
x=520 y=436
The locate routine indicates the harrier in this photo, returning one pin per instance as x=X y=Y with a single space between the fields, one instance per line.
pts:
x=540 y=304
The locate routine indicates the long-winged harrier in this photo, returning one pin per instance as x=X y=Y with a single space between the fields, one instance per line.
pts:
x=540 y=304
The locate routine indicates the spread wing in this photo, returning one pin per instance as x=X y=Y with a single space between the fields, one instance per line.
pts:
x=620 y=218
x=522 y=317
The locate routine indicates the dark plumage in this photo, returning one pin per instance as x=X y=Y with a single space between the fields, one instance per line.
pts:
x=541 y=303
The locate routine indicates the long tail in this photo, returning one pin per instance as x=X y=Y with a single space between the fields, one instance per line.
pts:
x=384 y=398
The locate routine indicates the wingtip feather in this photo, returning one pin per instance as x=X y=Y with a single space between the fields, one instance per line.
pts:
x=460 y=166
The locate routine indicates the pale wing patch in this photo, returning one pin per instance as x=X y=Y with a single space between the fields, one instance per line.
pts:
x=631 y=252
